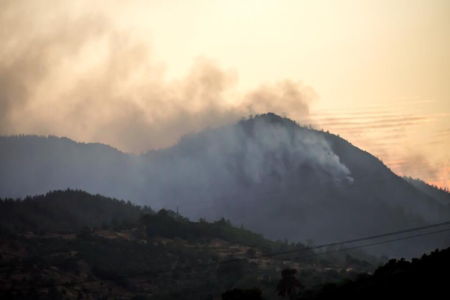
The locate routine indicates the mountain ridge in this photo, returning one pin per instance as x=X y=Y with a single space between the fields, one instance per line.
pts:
x=441 y=195
x=321 y=181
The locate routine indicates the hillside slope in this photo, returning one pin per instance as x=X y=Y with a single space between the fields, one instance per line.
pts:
x=55 y=249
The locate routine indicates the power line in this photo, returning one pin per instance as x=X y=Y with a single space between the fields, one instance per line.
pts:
x=379 y=243
x=364 y=238
x=366 y=245
x=363 y=246
x=269 y=255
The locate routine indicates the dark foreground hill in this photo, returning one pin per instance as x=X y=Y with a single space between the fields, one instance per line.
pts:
x=65 y=211
x=46 y=253
x=421 y=278
x=162 y=255
x=267 y=173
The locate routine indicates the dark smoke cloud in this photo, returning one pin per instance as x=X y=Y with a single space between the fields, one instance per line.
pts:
x=80 y=76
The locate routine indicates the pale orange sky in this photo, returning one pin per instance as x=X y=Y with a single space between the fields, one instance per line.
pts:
x=375 y=72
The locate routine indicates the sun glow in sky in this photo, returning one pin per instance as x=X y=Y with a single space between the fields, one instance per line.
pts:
x=375 y=72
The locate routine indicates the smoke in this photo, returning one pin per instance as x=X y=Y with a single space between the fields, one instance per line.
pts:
x=29 y=55
x=68 y=73
x=80 y=75
x=255 y=154
x=417 y=165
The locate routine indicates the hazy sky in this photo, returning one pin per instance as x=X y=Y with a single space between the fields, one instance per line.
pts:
x=139 y=74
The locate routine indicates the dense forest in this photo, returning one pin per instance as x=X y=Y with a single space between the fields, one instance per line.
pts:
x=420 y=278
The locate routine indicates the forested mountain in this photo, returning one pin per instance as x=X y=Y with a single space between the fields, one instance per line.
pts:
x=267 y=172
